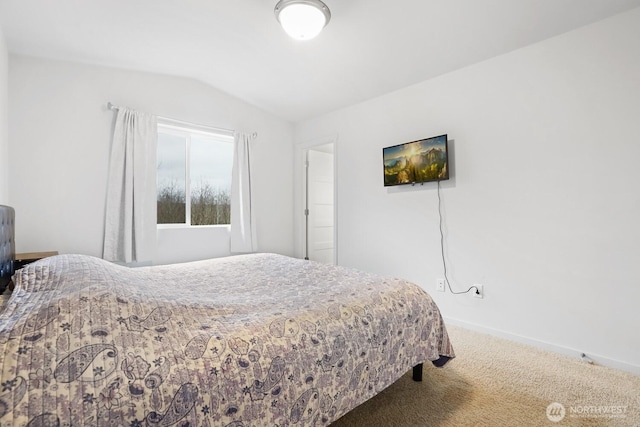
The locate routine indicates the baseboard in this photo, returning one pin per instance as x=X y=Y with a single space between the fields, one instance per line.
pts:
x=597 y=359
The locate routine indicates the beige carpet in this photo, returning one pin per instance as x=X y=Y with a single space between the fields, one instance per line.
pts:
x=495 y=382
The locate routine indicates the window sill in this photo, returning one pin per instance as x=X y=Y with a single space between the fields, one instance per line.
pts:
x=185 y=226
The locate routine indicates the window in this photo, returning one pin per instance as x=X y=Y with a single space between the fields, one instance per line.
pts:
x=194 y=176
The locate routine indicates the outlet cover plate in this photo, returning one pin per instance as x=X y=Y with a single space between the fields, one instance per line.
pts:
x=480 y=290
x=440 y=285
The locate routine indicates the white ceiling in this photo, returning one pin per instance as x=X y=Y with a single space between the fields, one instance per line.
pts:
x=370 y=47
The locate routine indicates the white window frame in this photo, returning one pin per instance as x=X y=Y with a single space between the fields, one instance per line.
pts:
x=176 y=128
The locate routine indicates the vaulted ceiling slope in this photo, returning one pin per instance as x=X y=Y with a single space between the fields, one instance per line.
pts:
x=370 y=47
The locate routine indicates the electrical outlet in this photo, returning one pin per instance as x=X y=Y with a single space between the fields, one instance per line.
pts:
x=478 y=292
x=440 y=285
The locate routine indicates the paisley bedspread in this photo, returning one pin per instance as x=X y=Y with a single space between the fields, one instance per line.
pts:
x=250 y=340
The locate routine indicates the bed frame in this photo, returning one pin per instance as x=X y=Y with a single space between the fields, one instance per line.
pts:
x=8 y=265
x=7 y=245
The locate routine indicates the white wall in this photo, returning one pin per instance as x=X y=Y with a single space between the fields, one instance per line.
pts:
x=60 y=137
x=4 y=126
x=544 y=204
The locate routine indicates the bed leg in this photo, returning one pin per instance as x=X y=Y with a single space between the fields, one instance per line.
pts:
x=417 y=372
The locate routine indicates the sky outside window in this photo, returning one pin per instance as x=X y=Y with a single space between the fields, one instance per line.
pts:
x=211 y=163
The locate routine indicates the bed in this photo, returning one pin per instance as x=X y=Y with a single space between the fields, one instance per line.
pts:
x=250 y=340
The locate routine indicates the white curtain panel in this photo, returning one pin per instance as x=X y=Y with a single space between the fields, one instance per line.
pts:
x=130 y=223
x=243 y=225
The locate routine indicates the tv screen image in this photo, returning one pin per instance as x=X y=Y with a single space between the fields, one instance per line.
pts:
x=416 y=162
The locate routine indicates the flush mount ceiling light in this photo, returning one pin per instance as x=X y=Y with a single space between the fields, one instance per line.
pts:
x=302 y=19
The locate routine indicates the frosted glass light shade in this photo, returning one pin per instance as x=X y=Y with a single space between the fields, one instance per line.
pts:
x=302 y=19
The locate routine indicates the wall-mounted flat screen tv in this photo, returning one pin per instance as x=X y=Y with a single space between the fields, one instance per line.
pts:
x=416 y=162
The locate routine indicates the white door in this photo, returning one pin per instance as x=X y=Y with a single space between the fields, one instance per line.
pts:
x=320 y=204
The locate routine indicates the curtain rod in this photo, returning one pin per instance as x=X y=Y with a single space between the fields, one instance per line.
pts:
x=254 y=135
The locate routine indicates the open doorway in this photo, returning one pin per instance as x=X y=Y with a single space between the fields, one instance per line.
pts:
x=320 y=228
